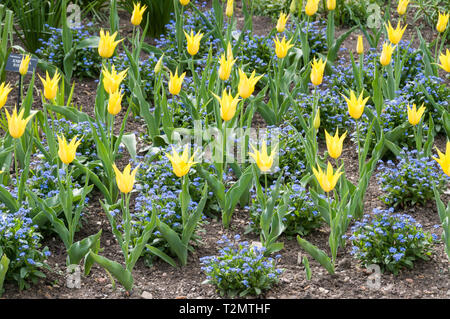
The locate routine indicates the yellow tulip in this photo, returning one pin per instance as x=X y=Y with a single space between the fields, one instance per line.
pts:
x=226 y=64
x=395 y=35
x=50 y=85
x=415 y=115
x=311 y=7
x=125 y=180
x=355 y=105
x=316 y=123
x=282 y=47
x=386 y=54
x=334 y=143
x=281 y=23
x=181 y=165
x=107 y=45
x=67 y=152
x=445 y=61
x=328 y=179
x=247 y=85
x=228 y=104
x=262 y=159
x=402 y=5
x=442 y=22
x=331 y=5
x=138 y=11
x=16 y=123
x=158 y=65
x=175 y=82
x=23 y=69
x=317 y=69
x=185 y=2
x=112 y=80
x=4 y=91
x=193 y=42
x=114 y=103
x=444 y=159
x=229 y=9
x=360 y=45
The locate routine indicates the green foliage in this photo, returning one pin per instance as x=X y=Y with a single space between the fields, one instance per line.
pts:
x=32 y=17
x=393 y=241
x=20 y=243
x=6 y=24
x=270 y=7
x=240 y=269
x=157 y=14
x=411 y=180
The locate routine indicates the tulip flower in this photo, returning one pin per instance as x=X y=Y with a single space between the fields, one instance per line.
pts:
x=185 y=2
x=402 y=5
x=334 y=143
x=114 y=103
x=281 y=23
x=175 y=82
x=360 y=45
x=316 y=123
x=158 y=65
x=107 y=45
x=50 y=85
x=125 y=180
x=4 y=91
x=386 y=54
x=138 y=11
x=327 y=180
x=415 y=115
x=445 y=61
x=444 y=159
x=282 y=47
x=331 y=5
x=311 y=7
x=181 y=165
x=355 y=105
x=193 y=42
x=317 y=69
x=16 y=123
x=395 y=35
x=112 y=80
x=262 y=159
x=67 y=152
x=442 y=22
x=228 y=105
x=23 y=68
x=226 y=64
x=229 y=9
x=247 y=85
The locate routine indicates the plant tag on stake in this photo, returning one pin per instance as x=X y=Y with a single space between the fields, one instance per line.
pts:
x=14 y=60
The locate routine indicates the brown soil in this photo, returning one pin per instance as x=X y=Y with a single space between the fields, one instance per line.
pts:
x=428 y=279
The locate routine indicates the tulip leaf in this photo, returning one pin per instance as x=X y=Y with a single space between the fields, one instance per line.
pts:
x=193 y=219
x=123 y=275
x=175 y=243
x=162 y=255
x=4 y=265
x=129 y=140
x=81 y=248
x=317 y=254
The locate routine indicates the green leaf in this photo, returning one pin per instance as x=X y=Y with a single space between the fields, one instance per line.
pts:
x=234 y=194
x=192 y=221
x=175 y=243
x=317 y=254
x=81 y=248
x=121 y=274
x=129 y=140
x=4 y=264
x=307 y=269
x=162 y=255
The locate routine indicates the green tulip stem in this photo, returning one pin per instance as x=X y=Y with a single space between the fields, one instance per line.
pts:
x=224 y=146
x=436 y=49
x=359 y=145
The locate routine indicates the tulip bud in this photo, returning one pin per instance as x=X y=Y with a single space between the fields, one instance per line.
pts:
x=360 y=45
x=158 y=65
x=317 y=120
x=293 y=7
x=229 y=9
